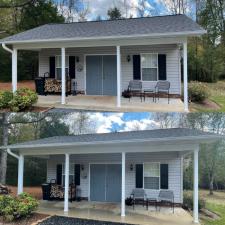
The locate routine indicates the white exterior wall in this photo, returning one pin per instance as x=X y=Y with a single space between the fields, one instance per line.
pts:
x=173 y=62
x=172 y=159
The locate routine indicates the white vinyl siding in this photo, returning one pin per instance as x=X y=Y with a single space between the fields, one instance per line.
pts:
x=172 y=159
x=171 y=50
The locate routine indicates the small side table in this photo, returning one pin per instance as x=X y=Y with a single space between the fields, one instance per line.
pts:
x=152 y=201
x=149 y=91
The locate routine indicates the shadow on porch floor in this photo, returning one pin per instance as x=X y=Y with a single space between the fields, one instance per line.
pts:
x=111 y=212
x=108 y=103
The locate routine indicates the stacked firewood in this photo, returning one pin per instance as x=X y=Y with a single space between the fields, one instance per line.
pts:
x=53 y=85
x=57 y=191
x=4 y=190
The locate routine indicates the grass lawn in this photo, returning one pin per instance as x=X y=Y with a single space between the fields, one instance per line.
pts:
x=214 y=203
x=216 y=100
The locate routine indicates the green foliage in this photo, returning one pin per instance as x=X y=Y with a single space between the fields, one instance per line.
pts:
x=188 y=202
x=197 y=91
x=23 y=98
x=5 y=98
x=12 y=208
x=114 y=13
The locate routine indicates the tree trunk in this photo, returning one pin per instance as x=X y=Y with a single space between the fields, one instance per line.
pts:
x=211 y=185
x=3 y=164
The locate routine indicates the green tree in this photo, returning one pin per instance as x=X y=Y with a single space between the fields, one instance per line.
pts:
x=114 y=13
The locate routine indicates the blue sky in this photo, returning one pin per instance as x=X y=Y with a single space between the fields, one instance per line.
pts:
x=100 y=7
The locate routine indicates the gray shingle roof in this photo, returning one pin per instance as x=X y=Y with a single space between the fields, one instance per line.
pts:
x=111 y=28
x=118 y=136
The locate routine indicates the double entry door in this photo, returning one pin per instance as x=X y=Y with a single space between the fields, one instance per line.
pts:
x=105 y=182
x=101 y=75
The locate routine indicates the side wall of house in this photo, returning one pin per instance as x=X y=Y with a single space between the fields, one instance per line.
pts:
x=173 y=62
x=172 y=159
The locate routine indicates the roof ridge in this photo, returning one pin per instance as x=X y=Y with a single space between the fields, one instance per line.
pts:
x=121 y=19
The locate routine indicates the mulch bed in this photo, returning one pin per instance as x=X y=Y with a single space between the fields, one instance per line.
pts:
x=26 y=221
x=59 y=220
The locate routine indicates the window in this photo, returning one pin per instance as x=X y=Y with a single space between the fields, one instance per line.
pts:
x=71 y=175
x=151 y=176
x=149 y=67
x=58 y=65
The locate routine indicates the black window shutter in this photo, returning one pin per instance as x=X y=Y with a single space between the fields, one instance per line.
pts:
x=164 y=174
x=52 y=66
x=162 y=67
x=59 y=174
x=136 y=67
x=72 y=67
x=77 y=174
x=139 y=175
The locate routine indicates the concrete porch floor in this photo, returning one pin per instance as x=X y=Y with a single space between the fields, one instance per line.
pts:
x=111 y=212
x=108 y=103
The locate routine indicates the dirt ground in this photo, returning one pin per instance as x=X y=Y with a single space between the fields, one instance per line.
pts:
x=8 y=85
x=34 y=191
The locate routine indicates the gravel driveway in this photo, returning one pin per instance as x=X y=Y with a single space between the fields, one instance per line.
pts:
x=59 y=220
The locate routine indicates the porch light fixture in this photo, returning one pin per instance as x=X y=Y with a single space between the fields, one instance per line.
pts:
x=131 y=167
x=128 y=58
x=77 y=59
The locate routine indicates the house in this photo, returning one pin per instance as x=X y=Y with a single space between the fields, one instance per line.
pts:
x=103 y=56
x=107 y=167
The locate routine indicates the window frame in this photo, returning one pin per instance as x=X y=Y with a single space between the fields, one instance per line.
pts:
x=56 y=67
x=70 y=174
x=157 y=55
x=154 y=176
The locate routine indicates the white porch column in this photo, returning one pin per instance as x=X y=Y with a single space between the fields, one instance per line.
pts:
x=185 y=76
x=123 y=184
x=63 y=62
x=118 y=103
x=20 y=174
x=195 y=199
x=66 y=194
x=14 y=70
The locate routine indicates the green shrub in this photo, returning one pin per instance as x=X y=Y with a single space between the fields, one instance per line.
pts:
x=197 y=91
x=5 y=98
x=188 y=202
x=12 y=208
x=23 y=98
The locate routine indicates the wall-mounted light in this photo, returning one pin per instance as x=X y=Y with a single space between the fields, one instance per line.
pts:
x=128 y=58
x=77 y=59
x=82 y=167
x=131 y=167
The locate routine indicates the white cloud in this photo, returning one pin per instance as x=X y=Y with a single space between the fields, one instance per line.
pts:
x=105 y=122
x=144 y=124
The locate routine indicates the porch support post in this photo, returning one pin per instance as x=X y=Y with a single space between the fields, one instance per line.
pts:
x=20 y=174
x=63 y=58
x=185 y=80
x=14 y=70
x=123 y=184
x=118 y=103
x=66 y=194
x=195 y=208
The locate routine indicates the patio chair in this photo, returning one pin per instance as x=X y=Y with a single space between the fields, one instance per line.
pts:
x=162 y=87
x=135 y=86
x=138 y=195
x=166 y=196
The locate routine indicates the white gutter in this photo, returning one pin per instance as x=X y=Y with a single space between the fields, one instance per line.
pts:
x=12 y=154
x=7 y=49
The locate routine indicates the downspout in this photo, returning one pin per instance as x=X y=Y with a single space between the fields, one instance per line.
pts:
x=7 y=49
x=12 y=154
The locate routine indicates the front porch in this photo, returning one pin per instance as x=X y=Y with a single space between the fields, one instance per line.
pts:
x=108 y=103
x=111 y=212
